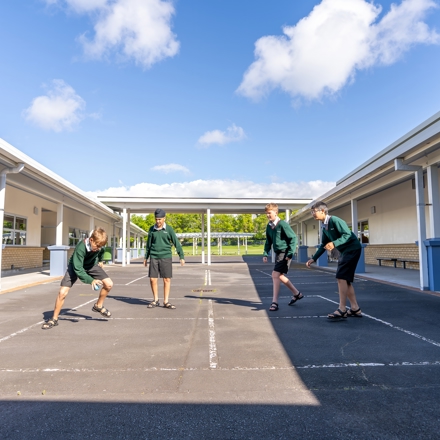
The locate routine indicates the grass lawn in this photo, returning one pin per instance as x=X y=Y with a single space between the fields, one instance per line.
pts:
x=227 y=250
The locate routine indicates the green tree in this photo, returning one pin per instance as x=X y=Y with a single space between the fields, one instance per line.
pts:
x=244 y=223
x=222 y=223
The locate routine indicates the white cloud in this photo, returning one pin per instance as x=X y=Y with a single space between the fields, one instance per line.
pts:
x=131 y=29
x=323 y=51
x=222 y=188
x=232 y=134
x=171 y=168
x=61 y=109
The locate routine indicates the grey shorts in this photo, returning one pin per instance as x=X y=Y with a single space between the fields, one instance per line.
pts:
x=96 y=272
x=160 y=267
x=281 y=264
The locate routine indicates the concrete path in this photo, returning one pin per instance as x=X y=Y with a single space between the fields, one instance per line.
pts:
x=220 y=366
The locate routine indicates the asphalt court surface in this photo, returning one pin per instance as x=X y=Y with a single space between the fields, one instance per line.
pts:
x=220 y=365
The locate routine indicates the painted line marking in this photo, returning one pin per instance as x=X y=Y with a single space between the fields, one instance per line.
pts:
x=213 y=360
x=136 y=280
x=415 y=335
x=41 y=322
x=264 y=368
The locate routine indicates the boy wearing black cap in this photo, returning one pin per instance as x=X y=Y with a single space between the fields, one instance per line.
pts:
x=161 y=237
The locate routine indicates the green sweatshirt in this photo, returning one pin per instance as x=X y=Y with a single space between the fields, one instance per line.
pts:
x=160 y=241
x=282 y=238
x=82 y=260
x=339 y=233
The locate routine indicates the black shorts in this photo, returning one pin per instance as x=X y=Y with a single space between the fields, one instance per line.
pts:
x=96 y=272
x=347 y=265
x=281 y=264
x=162 y=267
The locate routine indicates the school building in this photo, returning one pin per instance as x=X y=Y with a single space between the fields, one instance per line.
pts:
x=42 y=213
x=392 y=202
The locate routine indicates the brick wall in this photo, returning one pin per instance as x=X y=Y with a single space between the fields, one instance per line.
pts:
x=373 y=251
x=25 y=257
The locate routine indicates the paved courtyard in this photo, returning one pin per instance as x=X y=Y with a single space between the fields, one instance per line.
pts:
x=220 y=366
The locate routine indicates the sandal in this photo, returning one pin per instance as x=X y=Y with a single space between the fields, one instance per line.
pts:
x=339 y=314
x=168 y=306
x=355 y=313
x=49 y=324
x=296 y=298
x=153 y=304
x=273 y=307
x=102 y=310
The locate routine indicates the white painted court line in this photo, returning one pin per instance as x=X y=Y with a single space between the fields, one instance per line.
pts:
x=263 y=368
x=41 y=322
x=213 y=360
x=415 y=335
x=137 y=279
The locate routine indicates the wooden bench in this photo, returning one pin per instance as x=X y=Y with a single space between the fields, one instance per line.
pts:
x=406 y=260
x=394 y=260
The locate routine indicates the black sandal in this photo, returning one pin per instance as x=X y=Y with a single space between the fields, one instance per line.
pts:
x=49 y=324
x=168 y=306
x=102 y=310
x=296 y=298
x=355 y=313
x=273 y=307
x=336 y=316
x=153 y=304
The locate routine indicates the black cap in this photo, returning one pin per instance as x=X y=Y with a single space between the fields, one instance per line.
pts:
x=159 y=213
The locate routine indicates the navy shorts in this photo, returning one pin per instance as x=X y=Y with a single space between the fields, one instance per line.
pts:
x=96 y=272
x=347 y=265
x=162 y=267
x=281 y=264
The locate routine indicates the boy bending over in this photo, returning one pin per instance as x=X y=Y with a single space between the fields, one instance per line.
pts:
x=85 y=264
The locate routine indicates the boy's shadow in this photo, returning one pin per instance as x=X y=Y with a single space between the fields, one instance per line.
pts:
x=131 y=300
x=69 y=315
x=229 y=301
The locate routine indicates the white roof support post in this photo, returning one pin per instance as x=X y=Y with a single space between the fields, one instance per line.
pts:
x=434 y=201
x=208 y=227
x=399 y=165
x=354 y=217
x=238 y=245
x=60 y=223
x=124 y=237
x=302 y=242
x=128 y=237
x=203 y=238
x=2 y=202
x=287 y=215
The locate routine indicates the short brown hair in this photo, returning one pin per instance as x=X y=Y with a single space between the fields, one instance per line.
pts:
x=99 y=236
x=271 y=207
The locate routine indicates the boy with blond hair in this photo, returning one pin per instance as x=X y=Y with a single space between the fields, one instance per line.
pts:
x=280 y=235
x=85 y=264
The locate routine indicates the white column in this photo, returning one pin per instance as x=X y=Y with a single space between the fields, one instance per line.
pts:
x=114 y=242
x=302 y=241
x=193 y=246
x=246 y=244
x=354 y=216
x=434 y=201
x=238 y=245
x=203 y=238
x=221 y=245
x=124 y=237
x=91 y=223
x=60 y=223
x=208 y=227
x=128 y=237
x=421 y=221
x=287 y=215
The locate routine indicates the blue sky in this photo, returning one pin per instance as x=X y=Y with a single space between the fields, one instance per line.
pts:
x=214 y=98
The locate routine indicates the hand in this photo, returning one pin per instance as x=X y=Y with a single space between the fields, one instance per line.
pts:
x=310 y=262
x=96 y=283
x=264 y=259
x=101 y=264
x=145 y=263
x=182 y=262
x=329 y=246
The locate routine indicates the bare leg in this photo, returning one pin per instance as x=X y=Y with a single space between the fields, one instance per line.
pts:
x=60 y=301
x=166 y=289
x=343 y=290
x=352 y=298
x=153 y=284
x=288 y=284
x=276 y=286
x=107 y=286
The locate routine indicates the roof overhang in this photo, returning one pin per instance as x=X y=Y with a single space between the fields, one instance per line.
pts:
x=184 y=205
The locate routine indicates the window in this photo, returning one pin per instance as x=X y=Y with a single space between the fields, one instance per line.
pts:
x=14 y=230
x=76 y=235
